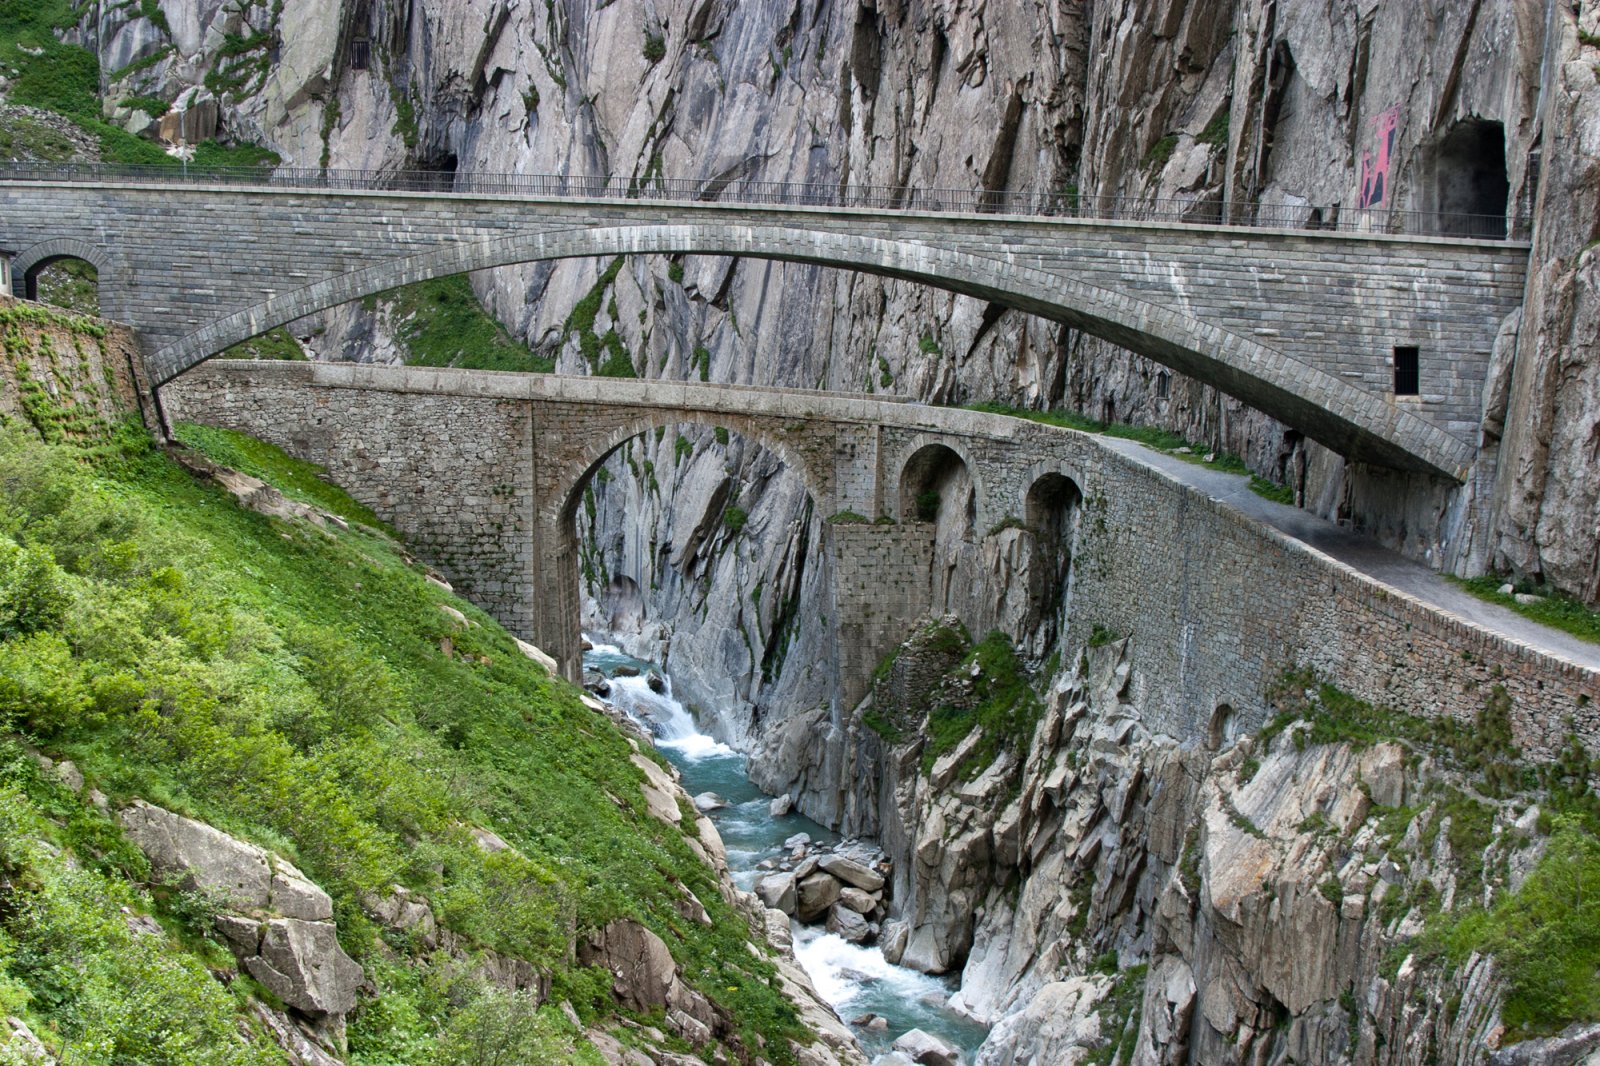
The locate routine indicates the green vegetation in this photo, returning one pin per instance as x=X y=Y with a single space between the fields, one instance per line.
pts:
x=65 y=78
x=1159 y=439
x=655 y=47
x=1216 y=132
x=1160 y=152
x=299 y=687
x=1545 y=937
x=296 y=479
x=1553 y=608
x=848 y=518
x=616 y=362
x=1002 y=704
x=25 y=137
x=734 y=519
x=442 y=323
x=928 y=345
x=927 y=506
x=276 y=344
x=1271 y=490
x=1121 y=1013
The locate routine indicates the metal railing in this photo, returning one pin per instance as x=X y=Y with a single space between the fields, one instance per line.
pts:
x=1065 y=203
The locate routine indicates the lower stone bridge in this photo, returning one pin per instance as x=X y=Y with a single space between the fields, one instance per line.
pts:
x=484 y=473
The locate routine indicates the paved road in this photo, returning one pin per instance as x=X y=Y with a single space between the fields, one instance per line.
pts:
x=1364 y=554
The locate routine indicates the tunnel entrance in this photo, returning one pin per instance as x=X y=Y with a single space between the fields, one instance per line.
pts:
x=1053 y=506
x=1470 y=187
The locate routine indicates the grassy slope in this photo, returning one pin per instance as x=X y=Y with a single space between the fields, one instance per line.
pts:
x=442 y=323
x=289 y=685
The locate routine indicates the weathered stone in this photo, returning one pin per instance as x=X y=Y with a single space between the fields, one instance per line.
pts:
x=706 y=802
x=303 y=965
x=925 y=1049
x=814 y=896
x=848 y=923
x=781 y=806
x=777 y=891
x=857 y=900
x=851 y=872
x=641 y=965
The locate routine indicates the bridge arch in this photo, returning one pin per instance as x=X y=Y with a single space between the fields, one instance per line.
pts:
x=1350 y=420
x=919 y=461
x=576 y=475
x=28 y=264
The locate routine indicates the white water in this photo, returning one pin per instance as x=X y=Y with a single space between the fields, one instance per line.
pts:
x=854 y=980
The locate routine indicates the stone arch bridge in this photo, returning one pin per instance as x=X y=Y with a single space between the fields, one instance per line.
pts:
x=484 y=473
x=1301 y=324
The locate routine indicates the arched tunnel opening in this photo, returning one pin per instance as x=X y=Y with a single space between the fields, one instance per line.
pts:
x=1054 y=503
x=1470 y=186
x=936 y=489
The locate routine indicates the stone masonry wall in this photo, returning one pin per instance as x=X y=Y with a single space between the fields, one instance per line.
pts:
x=452 y=473
x=1301 y=324
x=1218 y=605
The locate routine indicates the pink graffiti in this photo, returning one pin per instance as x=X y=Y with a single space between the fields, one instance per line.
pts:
x=1375 y=171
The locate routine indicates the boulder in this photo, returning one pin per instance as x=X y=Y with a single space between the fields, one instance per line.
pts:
x=706 y=802
x=848 y=924
x=657 y=683
x=303 y=965
x=624 y=670
x=777 y=891
x=814 y=896
x=201 y=858
x=641 y=966
x=660 y=791
x=857 y=900
x=781 y=806
x=851 y=872
x=925 y=1049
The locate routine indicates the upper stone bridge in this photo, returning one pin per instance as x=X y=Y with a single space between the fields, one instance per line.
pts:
x=485 y=473
x=1301 y=324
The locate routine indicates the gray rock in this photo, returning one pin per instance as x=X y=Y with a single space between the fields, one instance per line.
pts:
x=925 y=1049
x=706 y=802
x=815 y=895
x=303 y=965
x=201 y=857
x=848 y=924
x=857 y=900
x=778 y=891
x=798 y=840
x=851 y=872
x=639 y=961
x=781 y=806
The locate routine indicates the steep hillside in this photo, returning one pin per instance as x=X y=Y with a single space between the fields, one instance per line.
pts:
x=269 y=790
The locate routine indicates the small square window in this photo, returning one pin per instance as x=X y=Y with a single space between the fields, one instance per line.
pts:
x=1407 y=376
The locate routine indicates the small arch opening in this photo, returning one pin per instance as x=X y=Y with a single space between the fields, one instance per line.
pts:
x=1054 y=502
x=66 y=282
x=935 y=486
x=1224 y=729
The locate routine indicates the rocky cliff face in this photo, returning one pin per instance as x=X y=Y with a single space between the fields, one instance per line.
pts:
x=1106 y=891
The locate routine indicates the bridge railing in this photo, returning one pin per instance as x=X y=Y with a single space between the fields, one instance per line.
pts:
x=1061 y=203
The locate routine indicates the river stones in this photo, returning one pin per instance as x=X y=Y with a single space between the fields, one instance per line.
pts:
x=706 y=802
x=851 y=872
x=815 y=895
x=857 y=900
x=848 y=924
x=777 y=891
x=781 y=806
x=925 y=1049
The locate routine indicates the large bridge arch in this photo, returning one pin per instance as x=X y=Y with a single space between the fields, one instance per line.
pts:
x=1354 y=422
